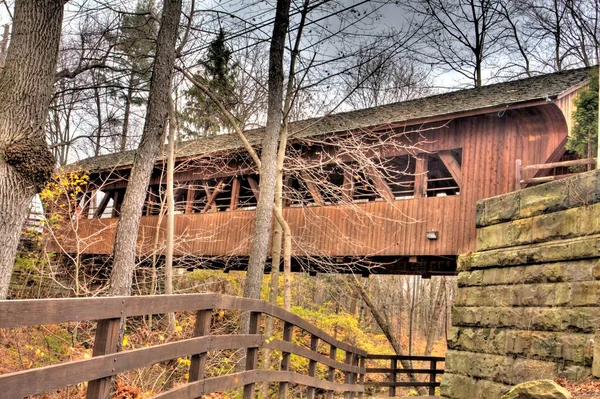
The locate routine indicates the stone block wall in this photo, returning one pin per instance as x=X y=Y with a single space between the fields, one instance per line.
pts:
x=528 y=301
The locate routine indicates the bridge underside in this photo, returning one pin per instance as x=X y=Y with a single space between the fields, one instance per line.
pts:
x=426 y=266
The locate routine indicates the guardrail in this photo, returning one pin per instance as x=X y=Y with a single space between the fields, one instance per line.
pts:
x=106 y=362
x=393 y=372
x=520 y=171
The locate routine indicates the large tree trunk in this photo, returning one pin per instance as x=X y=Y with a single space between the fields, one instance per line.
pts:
x=268 y=169
x=152 y=139
x=26 y=81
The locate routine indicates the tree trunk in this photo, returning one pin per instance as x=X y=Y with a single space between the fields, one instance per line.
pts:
x=268 y=169
x=387 y=330
x=170 y=211
x=126 y=113
x=26 y=82
x=152 y=139
x=434 y=315
x=98 y=143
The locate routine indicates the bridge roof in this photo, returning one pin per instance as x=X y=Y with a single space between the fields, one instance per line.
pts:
x=447 y=105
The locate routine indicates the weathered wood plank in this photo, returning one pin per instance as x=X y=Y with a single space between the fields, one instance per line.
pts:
x=47 y=378
x=382 y=187
x=235 y=193
x=288 y=331
x=31 y=312
x=312 y=365
x=452 y=166
x=421 y=176
x=312 y=188
x=189 y=199
x=236 y=380
x=331 y=372
x=198 y=360
x=106 y=342
x=405 y=357
x=385 y=370
x=253 y=187
x=252 y=354
x=348 y=186
x=100 y=210
x=210 y=196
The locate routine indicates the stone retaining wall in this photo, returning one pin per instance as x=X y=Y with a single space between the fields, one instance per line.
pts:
x=528 y=301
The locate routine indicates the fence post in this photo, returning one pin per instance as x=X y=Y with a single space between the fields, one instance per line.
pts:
x=432 y=377
x=348 y=375
x=361 y=376
x=105 y=342
x=312 y=365
x=288 y=330
x=331 y=376
x=252 y=353
x=198 y=360
x=394 y=367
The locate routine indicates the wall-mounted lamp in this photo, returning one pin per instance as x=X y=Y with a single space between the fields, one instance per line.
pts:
x=432 y=235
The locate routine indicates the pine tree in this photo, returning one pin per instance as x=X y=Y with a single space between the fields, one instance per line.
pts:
x=584 y=138
x=201 y=116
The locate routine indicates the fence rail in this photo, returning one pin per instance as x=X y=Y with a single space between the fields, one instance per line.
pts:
x=521 y=170
x=106 y=362
x=393 y=372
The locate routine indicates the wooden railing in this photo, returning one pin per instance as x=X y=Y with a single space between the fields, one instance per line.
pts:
x=394 y=370
x=106 y=362
x=520 y=171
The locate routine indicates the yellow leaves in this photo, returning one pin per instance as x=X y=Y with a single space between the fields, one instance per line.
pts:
x=184 y=362
x=269 y=340
x=39 y=353
x=65 y=188
x=178 y=329
x=125 y=340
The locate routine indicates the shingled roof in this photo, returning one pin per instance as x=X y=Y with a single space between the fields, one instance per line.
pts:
x=450 y=104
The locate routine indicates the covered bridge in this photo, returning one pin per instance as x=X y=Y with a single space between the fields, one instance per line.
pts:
x=390 y=189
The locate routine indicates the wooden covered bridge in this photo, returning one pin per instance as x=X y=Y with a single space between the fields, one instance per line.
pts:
x=390 y=189
x=334 y=367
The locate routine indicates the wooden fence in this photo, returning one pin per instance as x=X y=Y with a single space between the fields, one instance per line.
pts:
x=106 y=362
x=394 y=370
x=521 y=180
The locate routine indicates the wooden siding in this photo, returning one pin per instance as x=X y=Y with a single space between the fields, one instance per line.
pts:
x=490 y=146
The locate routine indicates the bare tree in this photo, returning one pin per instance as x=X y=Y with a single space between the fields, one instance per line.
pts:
x=152 y=140
x=268 y=160
x=460 y=35
x=25 y=93
x=382 y=78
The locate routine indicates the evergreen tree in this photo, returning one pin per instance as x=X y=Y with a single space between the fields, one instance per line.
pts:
x=136 y=45
x=584 y=137
x=201 y=115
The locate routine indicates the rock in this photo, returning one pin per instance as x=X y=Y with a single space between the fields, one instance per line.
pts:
x=540 y=389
